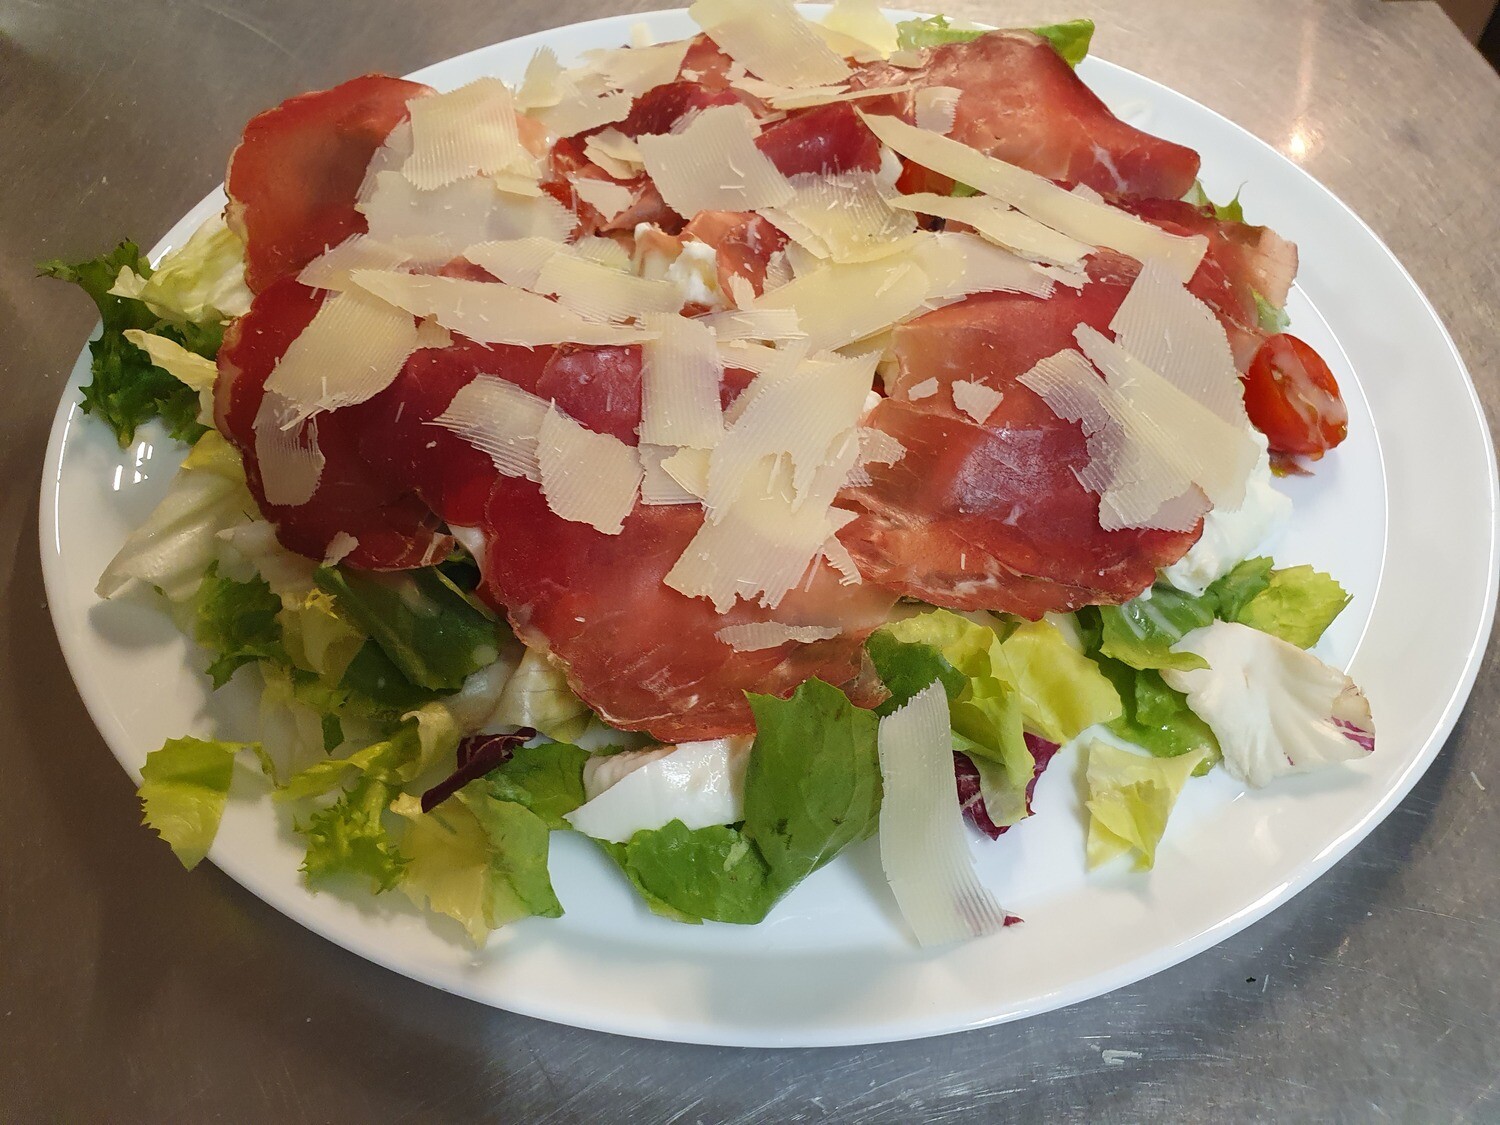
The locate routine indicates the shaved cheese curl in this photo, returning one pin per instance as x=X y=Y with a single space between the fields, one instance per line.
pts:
x=468 y=132
x=839 y=304
x=1087 y=221
x=352 y=350
x=863 y=20
x=844 y=218
x=977 y=400
x=587 y=477
x=657 y=485
x=713 y=165
x=936 y=108
x=492 y=312
x=680 y=375
x=286 y=452
x=753 y=636
x=771 y=39
x=998 y=223
x=609 y=199
x=455 y=217
x=923 y=844
x=501 y=419
x=598 y=292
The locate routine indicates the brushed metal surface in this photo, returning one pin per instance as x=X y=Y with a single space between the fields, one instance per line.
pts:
x=133 y=991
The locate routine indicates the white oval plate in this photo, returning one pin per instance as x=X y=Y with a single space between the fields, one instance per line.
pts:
x=1404 y=514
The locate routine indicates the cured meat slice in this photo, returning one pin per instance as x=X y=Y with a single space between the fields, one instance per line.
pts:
x=395 y=530
x=662 y=107
x=993 y=517
x=569 y=164
x=743 y=242
x=598 y=387
x=827 y=139
x=642 y=655
x=293 y=179
x=1022 y=103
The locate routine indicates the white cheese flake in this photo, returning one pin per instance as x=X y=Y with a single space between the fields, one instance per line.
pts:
x=863 y=21
x=601 y=293
x=925 y=389
x=845 y=218
x=958 y=264
x=331 y=269
x=1087 y=221
x=998 y=223
x=452 y=218
x=839 y=304
x=499 y=418
x=587 y=477
x=936 y=108
x=657 y=485
x=286 y=452
x=713 y=164
x=680 y=376
x=492 y=312
x=352 y=350
x=469 y=132
x=754 y=636
x=608 y=198
x=977 y=400
x=616 y=153
x=772 y=40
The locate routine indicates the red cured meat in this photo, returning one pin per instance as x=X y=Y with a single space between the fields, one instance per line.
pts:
x=662 y=107
x=293 y=180
x=1023 y=104
x=642 y=655
x=827 y=139
x=395 y=530
x=705 y=64
x=599 y=387
x=744 y=243
x=568 y=163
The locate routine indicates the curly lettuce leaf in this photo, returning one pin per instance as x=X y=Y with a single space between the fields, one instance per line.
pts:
x=128 y=389
x=184 y=786
x=1129 y=800
x=237 y=622
x=349 y=838
x=201 y=282
x=1297 y=605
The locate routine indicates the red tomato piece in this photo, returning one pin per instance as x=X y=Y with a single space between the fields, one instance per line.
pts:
x=1293 y=398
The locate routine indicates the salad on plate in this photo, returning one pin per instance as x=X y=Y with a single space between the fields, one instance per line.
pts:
x=725 y=449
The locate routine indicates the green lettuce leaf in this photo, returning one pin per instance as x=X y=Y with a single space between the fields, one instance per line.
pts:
x=546 y=778
x=1297 y=605
x=703 y=872
x=1231 y=212
x=184 y=786
x=201 y=282
x=906 y=667
x=1271 y=319
x=537 y=695
x=1129 y=800
x=1230 y=594
x=1062 y=691
x=1071 y=40
x=1141 y=632
x=480 y=861
x=425 y=625
x=237 y=622
x=1156 y=717
x=349 y=839
x=127 y=388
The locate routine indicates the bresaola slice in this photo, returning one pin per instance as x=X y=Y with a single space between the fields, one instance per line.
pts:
x=293 y=179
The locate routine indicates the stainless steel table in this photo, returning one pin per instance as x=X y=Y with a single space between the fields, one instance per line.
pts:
x=132 y=991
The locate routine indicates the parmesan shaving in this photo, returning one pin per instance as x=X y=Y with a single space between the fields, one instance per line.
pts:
x=286 y=452
x=839 y=304
x=937 y=107
x=754 y=324
x=976 y=400
x=713 y=165
x=680 y=375
x=578 y=112
x=787 y=97
x=753 y=636
x=638 y=69
x=959 y=263
x=431 y=334
x=587 y=477
x=455 y=217
x=492 y=312
x=330 y=269
x=352 y=350
x=998 y=223
x=339 y=548
x=608 y=198
x=605 y=251
x=601 y=293
x=616 y=153
x=1083 y=220
x=516 y=261
x=863 y=20
x=657 y=485
x=498 y=418
x=469 y=132
x=844 y=218
x=747 y=356
x=838 y=557
x=771 y=39
x=689 y=468
x=925 y=389
x=542 y=86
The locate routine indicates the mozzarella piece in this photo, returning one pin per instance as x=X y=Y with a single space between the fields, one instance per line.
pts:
x=468 y=132
x=1086 y=220
x=845 y=218
x=501 y=419
x=1000 y=224
x=492 y=312
x=680 y=375
x=587 y=477
x=700 y=784
x=695 y=273
x=352 y=350
x=771 y=39
x=923 y=845
x=755 y=636
x=977 y=400
x=713 y=164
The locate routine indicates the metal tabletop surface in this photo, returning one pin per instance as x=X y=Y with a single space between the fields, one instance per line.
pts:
x=133 y=991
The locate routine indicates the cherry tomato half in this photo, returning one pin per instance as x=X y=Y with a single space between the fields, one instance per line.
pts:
x=1293 y=398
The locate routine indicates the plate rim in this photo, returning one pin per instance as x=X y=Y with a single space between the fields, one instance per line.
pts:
x=702 y=1029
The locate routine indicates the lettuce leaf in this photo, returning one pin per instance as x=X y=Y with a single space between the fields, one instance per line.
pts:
x=906 y=667
x=1142 y=631
x=1070 y=40
x=812 y=787
x=1156 y=717
x=1297 y=605
x=128 y=389
x=1270 y=318
x=547 y=779
x=537 y=695
x=237 y=622
x=1230 y=594
x=480 y=861
x=200 y=282
x=424 y=624
x=1231 y=212
x=1129 y=800
x=184 y=786
x=1062 y=691
x=349 y=839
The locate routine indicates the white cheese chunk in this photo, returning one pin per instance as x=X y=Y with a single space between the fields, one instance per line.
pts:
x=700 y=784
